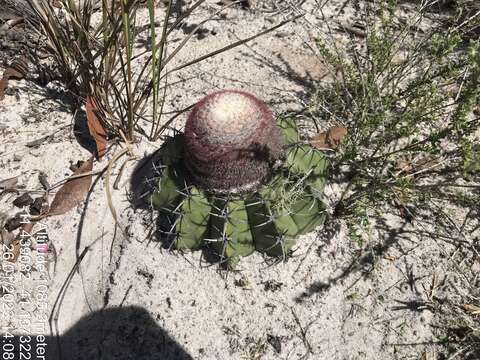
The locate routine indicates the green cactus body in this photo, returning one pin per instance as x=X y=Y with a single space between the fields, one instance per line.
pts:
x=192 y=224
x=167 y=194
x=289 y=130
x=308 y=213
x=230 y=230
x=267 y=218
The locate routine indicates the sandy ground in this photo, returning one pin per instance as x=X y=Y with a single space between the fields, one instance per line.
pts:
x=130 y=299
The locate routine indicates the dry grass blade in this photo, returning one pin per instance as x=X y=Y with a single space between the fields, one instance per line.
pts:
x=234 y=45
x=185 y=15
x=73 y=192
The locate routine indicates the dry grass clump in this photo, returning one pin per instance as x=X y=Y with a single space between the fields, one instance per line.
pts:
x=96 y=58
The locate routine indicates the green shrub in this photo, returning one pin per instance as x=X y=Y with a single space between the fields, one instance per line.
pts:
x=407 y=101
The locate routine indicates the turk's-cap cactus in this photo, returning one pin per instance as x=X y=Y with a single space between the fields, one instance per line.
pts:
x=231 y=142
x=220 y=188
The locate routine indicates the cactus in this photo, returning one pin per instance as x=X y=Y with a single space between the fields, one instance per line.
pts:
x=238 y=181
x=231 y=142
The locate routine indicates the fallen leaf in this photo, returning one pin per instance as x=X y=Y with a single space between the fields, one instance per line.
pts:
x=10 y=23
x=73 y=192
x=243 y=3
x=16 y=71
x=403 y=164
x=95 y=126
x=476 y=110
x=356 y=29
x=329 y=139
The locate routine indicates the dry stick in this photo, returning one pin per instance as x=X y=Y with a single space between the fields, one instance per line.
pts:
x=467 y=21
x=436 y=242
x=161 y=62
x=119 y=176
x=89 y=173
x=340 y=56
x=303 y=333
x=182 y=17
x=154 y=133
x=464 y=222
x=187 y=38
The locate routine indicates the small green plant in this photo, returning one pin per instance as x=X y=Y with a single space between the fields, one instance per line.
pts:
x=408 y=103
x=237 y=181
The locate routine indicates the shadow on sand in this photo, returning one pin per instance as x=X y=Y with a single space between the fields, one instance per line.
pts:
x=118 y=333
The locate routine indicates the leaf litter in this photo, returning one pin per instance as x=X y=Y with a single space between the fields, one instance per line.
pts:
x=330 y=139
x=74 y=191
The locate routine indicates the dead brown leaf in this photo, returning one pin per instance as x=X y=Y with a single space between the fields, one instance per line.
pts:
x=356 y=29
x=16 y=71
x=15 y=222
x=74 y=191
x=10 y=23
x=95 y=126
x=329 y=139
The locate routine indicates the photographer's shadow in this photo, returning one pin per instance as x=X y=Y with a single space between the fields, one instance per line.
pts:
x=118 y=333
